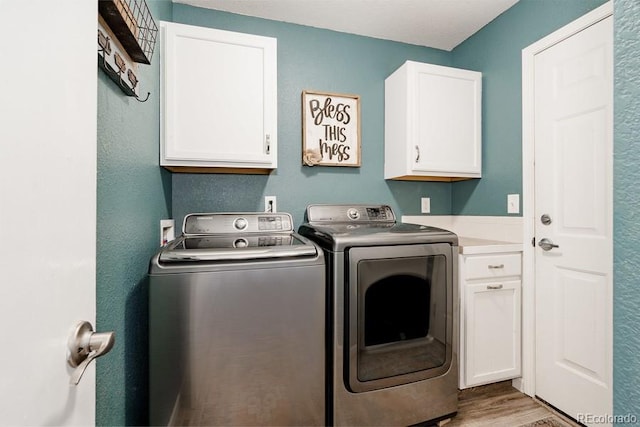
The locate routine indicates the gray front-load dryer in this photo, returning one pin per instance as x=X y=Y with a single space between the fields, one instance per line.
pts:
x=391 y=316
x=236 y=323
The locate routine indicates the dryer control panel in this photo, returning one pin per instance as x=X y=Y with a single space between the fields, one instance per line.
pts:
x=350 y=213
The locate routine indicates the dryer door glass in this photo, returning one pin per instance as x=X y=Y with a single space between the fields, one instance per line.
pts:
x=400 y=314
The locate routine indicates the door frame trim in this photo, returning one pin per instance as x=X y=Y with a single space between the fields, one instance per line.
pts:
x=527 y=383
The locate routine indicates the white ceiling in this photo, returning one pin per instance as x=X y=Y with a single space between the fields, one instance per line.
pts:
x=441 y=24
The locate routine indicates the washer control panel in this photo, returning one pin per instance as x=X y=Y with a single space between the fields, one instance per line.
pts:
x=272 y=223
x=237 y=223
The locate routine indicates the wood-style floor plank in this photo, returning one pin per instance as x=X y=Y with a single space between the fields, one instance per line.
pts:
x=493 y=405
x=501 y=405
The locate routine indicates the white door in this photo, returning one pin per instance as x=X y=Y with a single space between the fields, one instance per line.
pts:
x=573 y=186
x=48 y=119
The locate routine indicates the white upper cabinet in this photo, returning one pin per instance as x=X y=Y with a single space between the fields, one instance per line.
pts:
x=218 y=100
x=433 y=123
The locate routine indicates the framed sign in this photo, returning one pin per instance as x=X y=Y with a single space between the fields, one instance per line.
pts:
x=330 y=129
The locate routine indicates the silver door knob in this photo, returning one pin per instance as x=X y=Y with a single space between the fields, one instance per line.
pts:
x=84 y=346
x=547 y=244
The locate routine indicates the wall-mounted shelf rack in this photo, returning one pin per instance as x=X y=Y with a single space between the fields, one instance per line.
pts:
x=133 y=26
x=127 y=35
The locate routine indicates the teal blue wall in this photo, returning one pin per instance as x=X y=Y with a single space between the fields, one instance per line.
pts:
x=496 y=50
x=626 y=202
x=133 y=195
x=310 y=58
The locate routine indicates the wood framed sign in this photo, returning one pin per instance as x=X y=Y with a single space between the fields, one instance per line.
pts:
x=330 y=129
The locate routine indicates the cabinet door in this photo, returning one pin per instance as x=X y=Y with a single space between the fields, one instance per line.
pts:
x=492 y=332
x=447 y=121
x=219 y=98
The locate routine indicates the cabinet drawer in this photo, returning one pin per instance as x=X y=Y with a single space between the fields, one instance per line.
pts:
x=490 y=266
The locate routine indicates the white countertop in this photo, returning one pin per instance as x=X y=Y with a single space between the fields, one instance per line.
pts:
x=472 y=245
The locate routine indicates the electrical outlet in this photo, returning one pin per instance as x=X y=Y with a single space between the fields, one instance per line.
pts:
x=425 y=204
x=167 y=231
x=270 y=204
x=513 y=203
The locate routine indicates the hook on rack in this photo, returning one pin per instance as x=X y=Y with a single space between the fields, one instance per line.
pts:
x=118 y=69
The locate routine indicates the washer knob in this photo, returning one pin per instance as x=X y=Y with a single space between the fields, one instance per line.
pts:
x=240 y=223
x=240 y=243
x=353 y=213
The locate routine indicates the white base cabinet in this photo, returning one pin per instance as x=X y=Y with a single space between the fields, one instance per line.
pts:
x=432 y=123
x=218 y=100
x=490 y=327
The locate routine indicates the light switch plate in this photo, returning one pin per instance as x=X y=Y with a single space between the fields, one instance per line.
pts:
x=425 y=204
x=513 y=203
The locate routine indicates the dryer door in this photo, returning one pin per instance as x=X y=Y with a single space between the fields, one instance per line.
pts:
x=400 y=317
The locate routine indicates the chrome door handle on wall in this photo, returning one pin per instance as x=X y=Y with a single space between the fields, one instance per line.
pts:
x=547 y=244
x=84 y=346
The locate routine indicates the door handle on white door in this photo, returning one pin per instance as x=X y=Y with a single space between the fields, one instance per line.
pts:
x=547 y=244
x=84 y=346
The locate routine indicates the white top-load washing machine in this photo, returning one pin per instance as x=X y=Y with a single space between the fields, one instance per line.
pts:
x=236 y=324
x=391 y=316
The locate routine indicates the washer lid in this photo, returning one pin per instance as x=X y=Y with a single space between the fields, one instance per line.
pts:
x=237 y=236
x=237 y=247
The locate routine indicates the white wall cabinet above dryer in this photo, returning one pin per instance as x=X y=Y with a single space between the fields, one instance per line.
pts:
x=432 y=123
x=218 y=100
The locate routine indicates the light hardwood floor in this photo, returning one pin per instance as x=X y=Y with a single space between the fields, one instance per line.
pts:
x=501 y=405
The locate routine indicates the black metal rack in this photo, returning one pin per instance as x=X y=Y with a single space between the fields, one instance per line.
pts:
x=130 y=23
x=133 y=26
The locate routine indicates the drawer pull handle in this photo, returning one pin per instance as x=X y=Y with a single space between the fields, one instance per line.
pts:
x=493 y=267
x=493 y=287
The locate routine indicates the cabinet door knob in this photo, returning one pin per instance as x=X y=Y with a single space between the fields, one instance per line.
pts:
x=494 y=267
x=493 y=287
x=417 y=154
